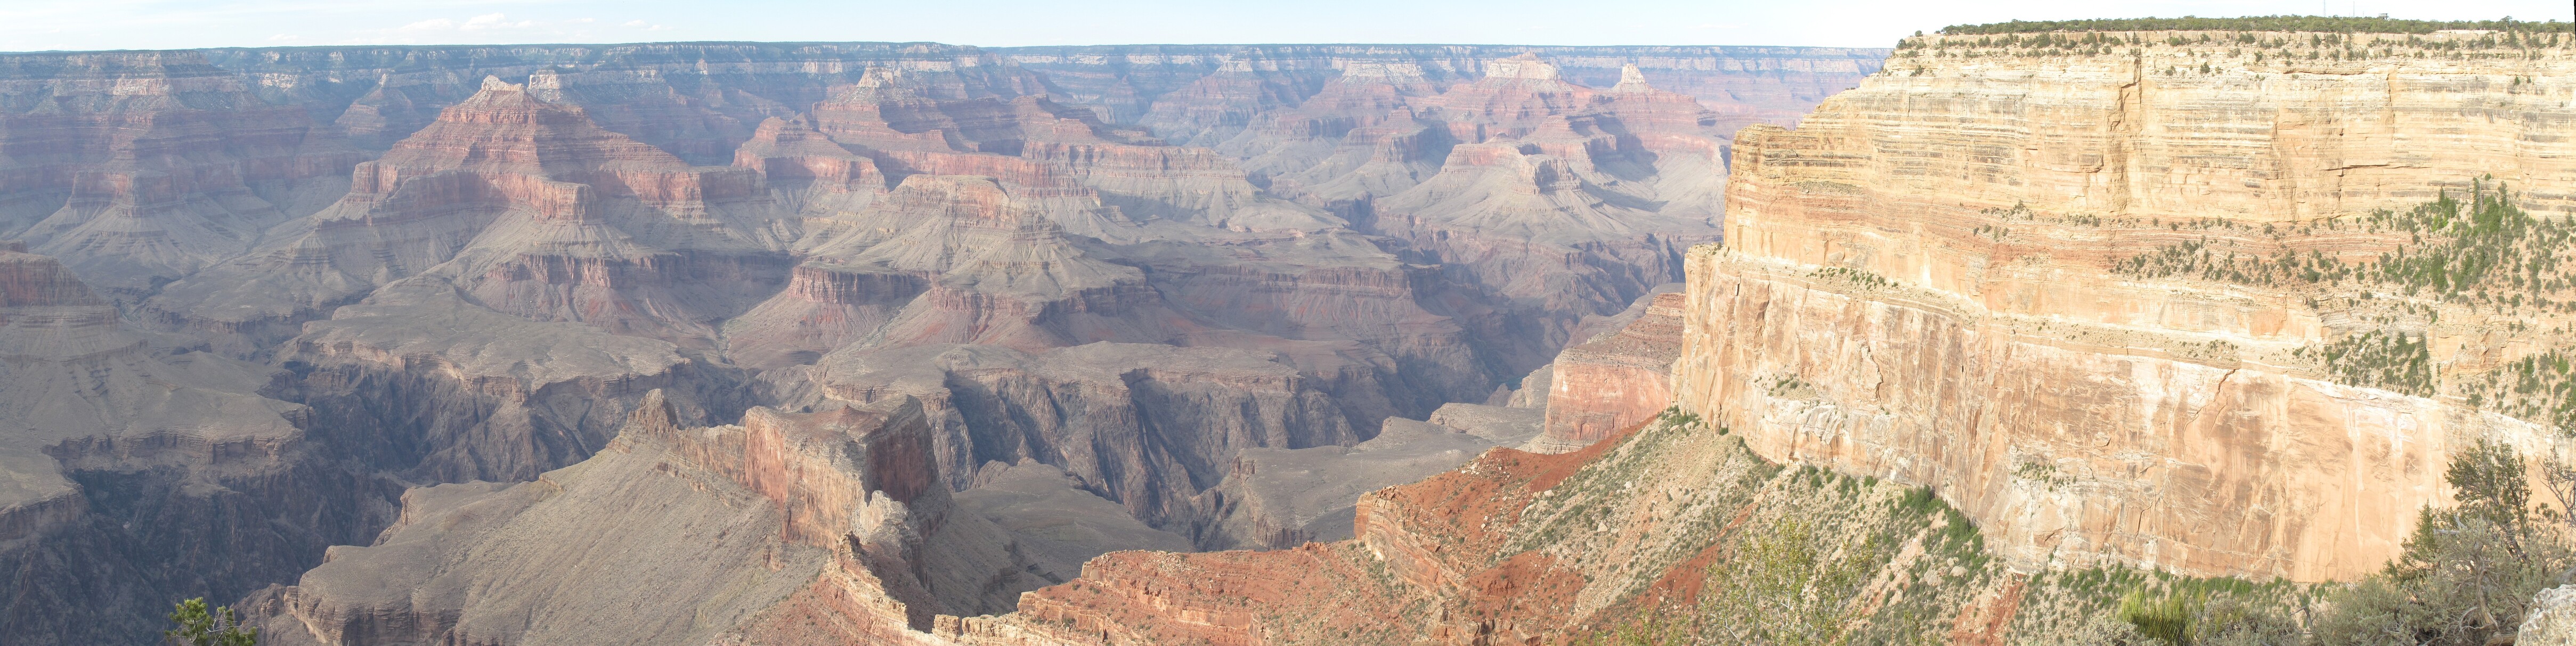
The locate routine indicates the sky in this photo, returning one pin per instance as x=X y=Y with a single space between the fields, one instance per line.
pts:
x=30 y=25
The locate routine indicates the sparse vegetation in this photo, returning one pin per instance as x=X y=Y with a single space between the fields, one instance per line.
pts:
x=1823 y=574
x=2483 y=249
x=2539 y=388
x=2336 y=24
x=2467 y=574
x=1856 y=277
x=201 y=627
x=2390 y=360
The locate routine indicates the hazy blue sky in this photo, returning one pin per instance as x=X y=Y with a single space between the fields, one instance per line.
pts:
x=151 y=24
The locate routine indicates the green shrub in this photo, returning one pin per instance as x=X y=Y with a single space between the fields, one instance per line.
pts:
x=200 y=627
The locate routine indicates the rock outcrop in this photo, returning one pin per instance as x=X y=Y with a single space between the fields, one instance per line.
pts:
x=1623 y=538
x=2549 y=624
x=356 y=270
x=1615 y=380
x=1282 y=498
x=829 y=525
x=138 y=168
x=2146 y=302
x=529 y=209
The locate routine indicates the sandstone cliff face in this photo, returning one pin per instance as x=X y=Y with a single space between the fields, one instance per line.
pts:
x=1613 y=381
x=2011 y=271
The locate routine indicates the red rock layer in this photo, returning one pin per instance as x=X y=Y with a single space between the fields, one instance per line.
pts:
x=137 y=167
x=1423 y=570
x=1614 y=382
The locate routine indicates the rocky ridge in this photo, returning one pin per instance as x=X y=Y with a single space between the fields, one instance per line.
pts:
x=2098 y=348
x=470 y=265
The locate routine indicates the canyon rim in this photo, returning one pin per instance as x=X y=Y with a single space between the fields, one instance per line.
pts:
x=2130 y=331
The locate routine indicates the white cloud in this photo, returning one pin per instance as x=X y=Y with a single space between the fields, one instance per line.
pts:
x=495 y=21
x=433 y=24
x=635 y=23
x=284 y=37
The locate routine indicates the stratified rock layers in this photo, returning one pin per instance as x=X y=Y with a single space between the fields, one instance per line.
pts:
x=732 y=534
x=135 y=474
x=356 y=270
x=1922 y=283
x=1615 y=380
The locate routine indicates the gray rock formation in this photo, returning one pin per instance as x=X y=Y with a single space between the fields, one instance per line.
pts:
x=323 y=276
x=671 y=536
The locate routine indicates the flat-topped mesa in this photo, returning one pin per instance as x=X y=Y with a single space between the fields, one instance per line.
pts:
x=2147 y=282
x=500 y=102
x=31 y=280
x=1525 y=67
x=48 y=315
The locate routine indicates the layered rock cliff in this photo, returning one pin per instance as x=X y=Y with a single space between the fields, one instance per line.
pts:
x=470 y=265
x=831 y=526
x=2118 y=297
x=138 y=473
x=2215 y=302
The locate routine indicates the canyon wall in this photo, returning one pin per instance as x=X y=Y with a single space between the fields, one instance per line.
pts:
x=137 y=472
x=2154 y=299
x=1103 y=275
x=1183 y=90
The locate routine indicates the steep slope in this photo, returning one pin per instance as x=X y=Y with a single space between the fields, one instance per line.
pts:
x=137 y=168
x=136 y=473
x=1668 y=519
x=829 y=525
x=1202 y=94
x=1613 y=380
x=1100 y=325
x=2162 y=299
x=531 y=210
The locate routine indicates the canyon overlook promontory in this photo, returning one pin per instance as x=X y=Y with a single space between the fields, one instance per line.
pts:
x=2152 y=331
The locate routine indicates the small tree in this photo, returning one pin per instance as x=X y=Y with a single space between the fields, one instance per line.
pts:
x=2467 y=574
x=198 y=627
